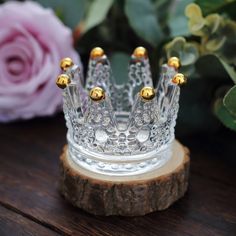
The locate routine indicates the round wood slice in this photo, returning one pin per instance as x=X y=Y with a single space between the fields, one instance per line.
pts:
x=127 y=195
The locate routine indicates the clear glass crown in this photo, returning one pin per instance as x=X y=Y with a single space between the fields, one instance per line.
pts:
x=120 y=129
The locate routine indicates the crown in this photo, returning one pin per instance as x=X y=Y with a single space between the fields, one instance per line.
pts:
x=120 y=129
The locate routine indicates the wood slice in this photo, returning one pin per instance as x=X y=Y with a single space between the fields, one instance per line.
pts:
x=125 y=195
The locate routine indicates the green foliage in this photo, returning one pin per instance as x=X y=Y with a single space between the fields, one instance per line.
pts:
x=143 y=20
x=213 y=6
x=217 y=37
x=216 y=32
x=71 y=11
x=119 y=63
x=230 y=100
x=187 y=52
x=177 y=20
x=230 y=70
x=224 y=115
x=207 y=53
x=96 y=13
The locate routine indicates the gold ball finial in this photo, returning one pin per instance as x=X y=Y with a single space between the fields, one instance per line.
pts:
x=62 y=81
x=140 y=52
x=66 y=63
x=179 y=79
x=147 y=93
x=96 y=53
x=97 y=94
x=174 y=62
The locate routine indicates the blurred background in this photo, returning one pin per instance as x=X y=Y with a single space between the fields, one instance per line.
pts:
x=202 y=33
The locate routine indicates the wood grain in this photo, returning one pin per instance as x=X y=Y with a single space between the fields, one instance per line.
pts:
x=29 y=171
x=12 y=224
x=126 y=195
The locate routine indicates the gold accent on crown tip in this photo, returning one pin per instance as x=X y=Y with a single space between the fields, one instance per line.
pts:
x=66 y=63
x=97 y=94
x=140 y=52
x=179 y=79
x=147 y=93
x=62 y=81
x=96 y=53
x=174 y=62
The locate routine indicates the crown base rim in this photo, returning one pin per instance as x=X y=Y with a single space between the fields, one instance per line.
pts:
x=123 y=165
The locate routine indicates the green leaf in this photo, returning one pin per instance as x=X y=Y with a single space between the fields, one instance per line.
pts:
x=224 y=116
x=212 y=6
x=196 y=21
x=215 y=44
x=142 y=19
x=119 y=64
x=97 y=13
x=71 y=12
x=229 y=101
x=177 y=22
x=230 y=69
x=187 y=52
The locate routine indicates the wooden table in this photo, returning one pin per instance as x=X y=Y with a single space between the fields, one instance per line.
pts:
x=30 y=203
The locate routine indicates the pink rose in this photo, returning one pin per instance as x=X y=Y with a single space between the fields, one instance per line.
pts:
x=32 y=42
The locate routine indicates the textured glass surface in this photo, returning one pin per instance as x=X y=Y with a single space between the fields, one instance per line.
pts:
x=122 y=134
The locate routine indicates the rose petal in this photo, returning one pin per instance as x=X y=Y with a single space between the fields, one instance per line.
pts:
x=32 y=42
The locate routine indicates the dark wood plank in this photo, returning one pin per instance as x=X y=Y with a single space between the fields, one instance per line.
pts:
x=29 y=173
x=12 y=224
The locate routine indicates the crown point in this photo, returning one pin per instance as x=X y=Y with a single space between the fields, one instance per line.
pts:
x=174 y=62
x=179 y=79
x=62 y=81
x=97 y=94
x=147 y=93
x=96 y=53
x=66 y=63
x=140 y=52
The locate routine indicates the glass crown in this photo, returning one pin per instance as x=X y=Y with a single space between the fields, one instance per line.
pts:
x=115 y=125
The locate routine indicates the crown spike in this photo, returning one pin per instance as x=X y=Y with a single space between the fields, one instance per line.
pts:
x=62 y=81
x=96 y=53
x=66 y=63
x=139 y=74
x=174 y=62
x=100 y=75
x=100 y=117
x=179 y=79
x=143 y=119
x=97 y=94
x=147 y=93
x=140 y=52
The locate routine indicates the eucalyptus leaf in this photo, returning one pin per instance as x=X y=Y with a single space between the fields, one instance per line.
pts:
x=215 y=43
x=213 y=22
x=119 y=64
x=229 y=101
x=230 y=69
x=142 y=18
x=177 y=20
x=213 y=6
x=224 y=116
x=70 y=12
x=196 y=21
x=187 y=52
x=96 y=14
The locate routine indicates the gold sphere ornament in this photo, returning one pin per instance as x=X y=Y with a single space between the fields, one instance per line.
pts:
x=174 y=62
x=147 y=93
x=66 y=63
x=96 y=53
x=62 y=81
x=140 y=52
x=179 y=79
x=97 y=94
